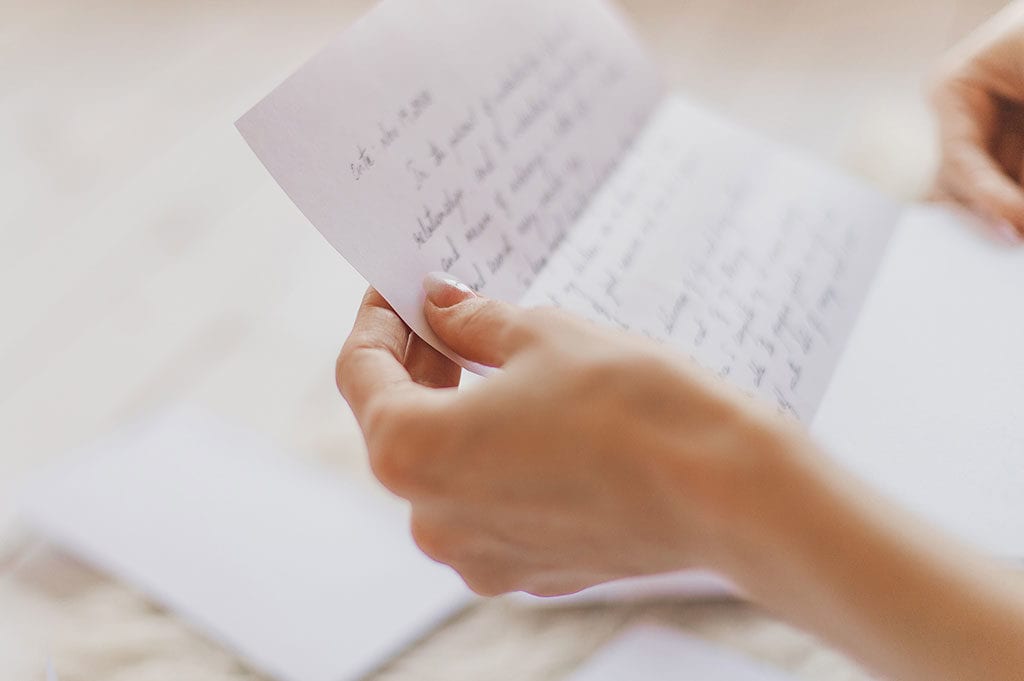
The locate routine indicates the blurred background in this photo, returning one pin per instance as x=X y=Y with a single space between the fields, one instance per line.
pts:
x=147 y=258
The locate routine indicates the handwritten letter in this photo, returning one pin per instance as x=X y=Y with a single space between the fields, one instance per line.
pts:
x=457 y=136
x=749 y=258
x=525 y=147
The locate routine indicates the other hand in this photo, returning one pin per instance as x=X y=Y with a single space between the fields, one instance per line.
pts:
x=979 y=99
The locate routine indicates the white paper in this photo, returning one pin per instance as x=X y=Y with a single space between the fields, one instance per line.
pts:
x=304 y=576
x=457 y=136
x=656 y=653
x=928 y=401
x=538 y=162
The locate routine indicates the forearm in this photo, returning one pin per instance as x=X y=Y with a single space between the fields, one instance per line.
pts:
x=862 y=573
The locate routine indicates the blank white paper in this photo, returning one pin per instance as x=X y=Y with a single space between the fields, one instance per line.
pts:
x=656 y=653
x=927 y=403
x=304 y=576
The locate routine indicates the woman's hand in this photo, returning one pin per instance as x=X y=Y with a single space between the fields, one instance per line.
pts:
x=594 y=455
x=591 y=455
x=979 y=99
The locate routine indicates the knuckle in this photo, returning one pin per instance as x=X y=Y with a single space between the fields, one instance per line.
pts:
x=394 y=450
x=469 y=313
x=487 y=584
x=433 y=539
x=549 y=588
x=339 y=363
x=390 y=469
x=406 y=440
x=387 y=417
x=477 y=318
x=352 y=353
x=342 y=366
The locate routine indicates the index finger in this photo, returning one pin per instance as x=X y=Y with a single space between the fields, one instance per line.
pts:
x=370 y=364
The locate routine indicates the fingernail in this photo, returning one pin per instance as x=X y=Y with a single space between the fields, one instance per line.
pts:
x=443 y=290
x=1008 y=233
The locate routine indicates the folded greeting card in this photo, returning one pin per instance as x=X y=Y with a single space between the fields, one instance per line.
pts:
x=529 y=149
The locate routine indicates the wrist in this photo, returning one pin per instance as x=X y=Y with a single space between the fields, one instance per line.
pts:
x=777 y=490
x=825 y=552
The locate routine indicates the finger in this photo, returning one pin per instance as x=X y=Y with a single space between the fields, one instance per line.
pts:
x=482 y=330
x=562 y=584
x=428 y=367
x=1009 y=143
x=370 y=364
x=1016 y=123
x=1010 y=152
x=981 y=184
x=968 y=117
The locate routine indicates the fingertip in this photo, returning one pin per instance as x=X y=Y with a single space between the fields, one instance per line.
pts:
x=975 y=178
x=474 y=327
x=1008 y=233
x=443 y=290
x=1003 y=201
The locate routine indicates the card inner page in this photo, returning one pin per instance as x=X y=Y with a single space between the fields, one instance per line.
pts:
x=742 y=253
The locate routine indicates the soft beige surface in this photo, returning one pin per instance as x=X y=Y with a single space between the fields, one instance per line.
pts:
x=146 y=257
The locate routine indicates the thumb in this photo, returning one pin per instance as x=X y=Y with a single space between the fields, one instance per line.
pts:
x=482 y=330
